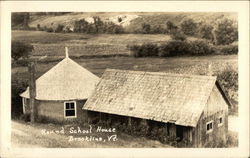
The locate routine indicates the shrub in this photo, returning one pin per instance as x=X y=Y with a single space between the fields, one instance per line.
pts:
x=17 y=87
x=50 y=29
x=178 y=35
x=20 y=49
x=229 y=49
x=226 y=32
x=174 y=48
x=189 y=27
x=228 y=79
x=146 y=28
x=201 y=47
x=59 y=28
x=144 y=50
x=171 y=27
x=25 y=117
x=206 y=31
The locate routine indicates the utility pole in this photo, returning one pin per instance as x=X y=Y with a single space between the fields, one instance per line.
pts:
x=32 y=92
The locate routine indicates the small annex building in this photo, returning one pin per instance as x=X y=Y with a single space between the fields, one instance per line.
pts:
x=193 y=108
x=61 y=91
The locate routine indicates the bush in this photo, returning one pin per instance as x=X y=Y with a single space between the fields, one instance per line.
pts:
x=59 y=28
x=177 y=35
x=229 y=49
x=201 y=47
x=50 y=29
x=228 y=79
x=174 y=48
x=20 y=49
x=144 y=50
x=189 y=27
x=146 y=28
x=25 y=117
x=206 y=31
x=226 y=32
x=17 y=87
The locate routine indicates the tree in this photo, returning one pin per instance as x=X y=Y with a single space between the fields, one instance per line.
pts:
x=171 y=26
x=206 y=31
x=146 y=28
x=19 y=49
x=225 y=32
x=21 y=19
x=178 y=35
x=189 y=27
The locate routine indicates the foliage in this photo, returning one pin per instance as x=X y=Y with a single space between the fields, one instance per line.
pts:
x=49 y=29
x=111 y=27
x=21 y=19
x=178 y=35
x=146 y=28
x=144 y=50
x=171 y=27
x=226 y=32
x=97 y=27
x=228 y=79
x=25 y=117
x=229 y=49
x=174 y=48
x=38 y=27
x=20 y=49
x=59 y=28
x=189 y=27
x=201 y=47
x=17 y=87
x=206 y=32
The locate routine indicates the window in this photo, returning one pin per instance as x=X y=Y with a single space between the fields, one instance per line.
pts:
x=220 y=121
x=209 y=126
x=70 y=109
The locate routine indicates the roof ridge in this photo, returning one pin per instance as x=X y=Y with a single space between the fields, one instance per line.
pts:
x=161 y=73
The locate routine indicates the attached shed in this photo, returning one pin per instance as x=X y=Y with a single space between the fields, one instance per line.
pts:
x=193 y=108
x=61 y=92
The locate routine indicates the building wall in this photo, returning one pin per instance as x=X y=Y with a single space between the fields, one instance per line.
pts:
x=54 y=110
x=216 y=107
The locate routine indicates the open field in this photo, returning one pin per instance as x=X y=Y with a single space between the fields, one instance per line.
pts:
x=188 y=65
x=53 y=44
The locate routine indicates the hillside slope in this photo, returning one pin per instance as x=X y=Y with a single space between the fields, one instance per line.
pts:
x=130 y=20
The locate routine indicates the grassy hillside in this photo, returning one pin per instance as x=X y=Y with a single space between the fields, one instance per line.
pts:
x=130 y=20
x=52 y=44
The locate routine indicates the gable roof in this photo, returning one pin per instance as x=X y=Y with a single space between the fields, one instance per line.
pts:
x=65 y=81
x=164 y=97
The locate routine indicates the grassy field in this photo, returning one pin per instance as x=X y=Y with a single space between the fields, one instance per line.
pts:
x=30 y=135
x=53 y=44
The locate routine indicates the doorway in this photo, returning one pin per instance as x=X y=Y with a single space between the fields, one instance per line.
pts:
x=179 y=133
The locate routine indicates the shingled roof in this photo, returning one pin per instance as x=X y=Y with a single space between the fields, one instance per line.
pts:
x=164 y=97
x=65 y=81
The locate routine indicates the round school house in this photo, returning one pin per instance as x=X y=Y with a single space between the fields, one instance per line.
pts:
x=61 y=92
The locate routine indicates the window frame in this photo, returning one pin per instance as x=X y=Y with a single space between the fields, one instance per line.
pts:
x=24 y=101
x=75 y=108
x=210 y=130
x=222 y=121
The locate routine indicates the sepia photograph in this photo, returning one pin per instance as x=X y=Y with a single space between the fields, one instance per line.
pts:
x=83 y=80
x=134 y=79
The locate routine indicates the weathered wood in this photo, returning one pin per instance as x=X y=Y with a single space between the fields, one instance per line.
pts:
x=32 y=92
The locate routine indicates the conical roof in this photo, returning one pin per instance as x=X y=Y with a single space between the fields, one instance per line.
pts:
x=65 y=81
